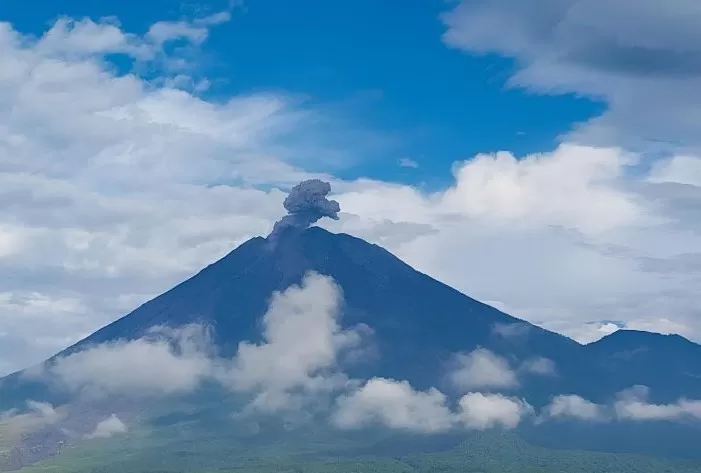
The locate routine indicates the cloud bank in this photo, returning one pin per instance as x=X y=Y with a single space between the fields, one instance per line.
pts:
x=630 y=405
x=303 y=341
x=299 y=357
x=482 y=369
x=395 y=404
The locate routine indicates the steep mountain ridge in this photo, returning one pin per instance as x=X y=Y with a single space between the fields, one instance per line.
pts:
x=418 y=323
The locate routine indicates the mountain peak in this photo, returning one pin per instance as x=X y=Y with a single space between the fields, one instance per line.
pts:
x=403 y=308
x=628 y=337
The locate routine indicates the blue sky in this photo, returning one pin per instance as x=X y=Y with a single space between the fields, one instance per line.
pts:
x=377 y=65
x=119 y=178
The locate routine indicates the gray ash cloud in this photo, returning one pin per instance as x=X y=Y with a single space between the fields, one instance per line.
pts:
x=306 y=203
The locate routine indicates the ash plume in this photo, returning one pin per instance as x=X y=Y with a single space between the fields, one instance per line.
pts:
x=305 y=205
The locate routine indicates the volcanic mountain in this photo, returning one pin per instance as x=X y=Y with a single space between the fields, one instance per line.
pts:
x=417 y=323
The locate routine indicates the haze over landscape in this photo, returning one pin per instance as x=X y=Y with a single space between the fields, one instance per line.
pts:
x=430 y=237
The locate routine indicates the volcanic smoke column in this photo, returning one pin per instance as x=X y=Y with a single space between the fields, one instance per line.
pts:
x=305 y=205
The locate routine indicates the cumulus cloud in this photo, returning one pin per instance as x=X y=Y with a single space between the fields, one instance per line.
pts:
x=503 y=187
x=571 y=406
x=487 y=244
x=306 y=204
x=483 y=411
x=482 y=369
x=108 y=428
x=125 y=186
x=632 y=405
x=148 y=366
x=302 y=343
x=394 y=404
x=73 y=39
x=397 y=405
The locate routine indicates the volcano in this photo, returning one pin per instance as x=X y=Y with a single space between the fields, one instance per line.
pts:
x=417 y=323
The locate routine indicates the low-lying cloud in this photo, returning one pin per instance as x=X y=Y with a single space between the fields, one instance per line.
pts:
x=143 y=367
x=299 y=365
x=482 y=369
x=630 y=405
x=571 y=406
x=37 y=415
x=397 y=405
x=483 y=411
x=299 y=355
x=302 y=344
x=393 y=404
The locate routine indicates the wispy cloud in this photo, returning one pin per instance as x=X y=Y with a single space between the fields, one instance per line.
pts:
x=408 y=163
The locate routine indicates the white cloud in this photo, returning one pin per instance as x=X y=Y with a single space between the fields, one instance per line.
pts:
x=108 y=428
x=599 y=240
x=143 y=367
x=678 y=169
x=503 y=188
x=574 y=407
x=302 y=343
x=632 y=405
x=397 y=405
x=484 y=411
x=114 y=187
x=394 y=404
x=300 y=355
x=636 y=56
x=482 y=369
x=37 y=416
x=539 y=366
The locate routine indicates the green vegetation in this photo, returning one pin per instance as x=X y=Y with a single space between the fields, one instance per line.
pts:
x=182 y=448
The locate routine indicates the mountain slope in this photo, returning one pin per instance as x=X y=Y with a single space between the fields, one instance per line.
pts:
x=670 y=363
x=418 y=323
